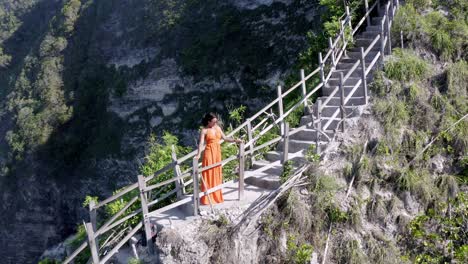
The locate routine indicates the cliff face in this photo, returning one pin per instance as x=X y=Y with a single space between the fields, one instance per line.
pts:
x=86 y=82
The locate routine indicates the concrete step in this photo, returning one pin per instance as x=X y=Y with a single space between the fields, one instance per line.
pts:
x=363 y=42
x=263 y=180
x=349 y=65
x=328 y=111
x=371 y=28
x=268 y=167
x=375 y=48
x=333 y=124
x=273 y=155
x=370 y=34
x=352 y=56
x=308 y=133
x=353 y=101
x=376 y=20
x=356 y=73
x=298 y=145
x=351 y=81
x=347 y=90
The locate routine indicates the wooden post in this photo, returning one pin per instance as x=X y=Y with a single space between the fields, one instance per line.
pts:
x=144 y=209
x=342 y=102
x=391 y=10
x=319 y=125
x=92 y=214
x=179 y=183
x=389 y=42
x=280 y=107
x=286 y=142
x=382 y=43
x=366 y=5
x=348 y=14
x=343 y=37
x=241 y=170
x=304 y=88
x=322 y=71
x=92 y=243
x=401 y=38
x=364 y=81
x=250 y=137
x=330 y=45
x=196 y=199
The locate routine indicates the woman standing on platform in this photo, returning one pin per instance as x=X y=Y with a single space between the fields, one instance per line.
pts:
x=212 y=134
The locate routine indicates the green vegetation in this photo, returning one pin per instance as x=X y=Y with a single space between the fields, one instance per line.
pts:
x=298 y=253
x=435 y=238
x=311 y=154
x=445 y=34
x=287 y=170
x=405 y=66
x=135 y=261
x=48 y=261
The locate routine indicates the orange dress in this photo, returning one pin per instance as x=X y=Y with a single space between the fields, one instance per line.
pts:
x=214 y=176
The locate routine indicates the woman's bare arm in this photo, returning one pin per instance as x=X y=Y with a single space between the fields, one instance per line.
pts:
x=228 y=139
x=201 y=143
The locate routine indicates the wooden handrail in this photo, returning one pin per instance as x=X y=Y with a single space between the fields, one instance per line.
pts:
x=366 y=15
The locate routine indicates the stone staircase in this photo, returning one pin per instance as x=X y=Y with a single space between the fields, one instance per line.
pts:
x=266 y=173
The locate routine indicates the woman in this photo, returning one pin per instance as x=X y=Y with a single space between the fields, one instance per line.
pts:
x=212 y=134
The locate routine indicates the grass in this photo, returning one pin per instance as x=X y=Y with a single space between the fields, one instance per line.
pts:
x=392 y=112
x=405 y=65
x=349 y=251
x=418 y=183
x=376 y=209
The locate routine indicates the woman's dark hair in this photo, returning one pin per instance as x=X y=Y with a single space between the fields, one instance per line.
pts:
x=207 y=118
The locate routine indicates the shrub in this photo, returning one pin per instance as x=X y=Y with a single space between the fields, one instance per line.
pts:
x=405 y=65
x=287 y=170
x=419 y=4
x=392 y=112
x=410 y=23
x=435 y=238
x=299 y=253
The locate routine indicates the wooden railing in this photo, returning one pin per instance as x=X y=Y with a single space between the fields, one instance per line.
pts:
x=271 y=116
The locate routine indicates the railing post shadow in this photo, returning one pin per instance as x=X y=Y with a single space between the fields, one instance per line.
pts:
x=342 y=102
x=286 y=142
x=144 y=210
x=196 y=199
x=364 y=81
x=93 y=246
x=180 y=186
x=241 y=170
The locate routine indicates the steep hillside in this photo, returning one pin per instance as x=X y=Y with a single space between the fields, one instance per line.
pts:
x=85 y=83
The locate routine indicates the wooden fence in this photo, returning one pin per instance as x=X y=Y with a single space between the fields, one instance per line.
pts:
x=145 y=195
